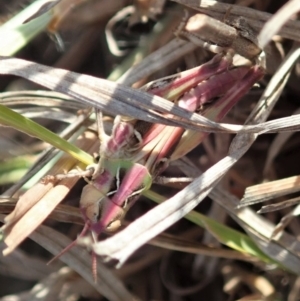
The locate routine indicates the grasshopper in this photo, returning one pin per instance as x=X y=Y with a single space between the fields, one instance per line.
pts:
x=127 y=151
x=136 y=152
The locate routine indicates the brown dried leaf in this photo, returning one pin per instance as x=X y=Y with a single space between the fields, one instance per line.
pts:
x=15 y=233
x=256 y=18
x=39 y=201
x=267 y=191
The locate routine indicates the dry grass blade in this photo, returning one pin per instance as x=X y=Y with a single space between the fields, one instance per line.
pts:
x=62 y=213
x=266 y=103
x=191 y=261
x=260 y=229
x=277 y=145
x=118 y=99
x=17 y=265
x=184 y=245
x=267 y=191
x=274 y=25
x=280 y=205
x=201 y=28
x=63 y=284
x=39 y=98
x=47 y=156
x=45 y=7
x=156 y=60
x=80 y=260
x=123 y=244
x=16 y=231
x=38 y=202
x=260 y=113
x=106 y=95
x=285 y=220
x=256 y=18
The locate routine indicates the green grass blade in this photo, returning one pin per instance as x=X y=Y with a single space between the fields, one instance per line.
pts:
x=14 y=34
x=227 y=236
x=10 y=118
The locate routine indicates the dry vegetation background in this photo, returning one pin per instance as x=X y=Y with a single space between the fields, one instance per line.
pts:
x=158 y=271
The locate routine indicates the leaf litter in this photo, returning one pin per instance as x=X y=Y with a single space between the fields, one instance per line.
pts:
x=117 y=99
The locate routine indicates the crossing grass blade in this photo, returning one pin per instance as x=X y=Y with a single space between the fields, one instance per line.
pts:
x=225 y=235
x=15 y=35
x=10 y=118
